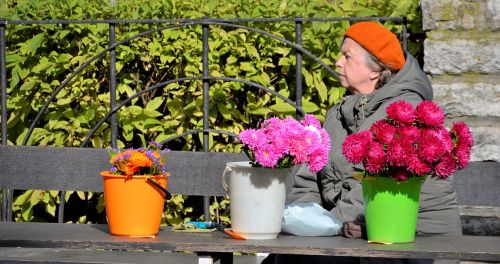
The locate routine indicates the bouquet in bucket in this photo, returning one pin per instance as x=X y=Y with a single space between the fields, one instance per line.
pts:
x=141 y=161
x=282 y=143
x=410 y=142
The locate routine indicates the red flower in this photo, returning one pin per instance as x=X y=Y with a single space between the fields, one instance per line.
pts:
x=355 y=147
x=429 y=114
x=401 y=113
x=375 y=160
x=445 y=167
x=398 y=152
x=400 y=175
x=418 y=167
x=431 y=146
x=409 y=134
x=462 y=133
x=410 y=143
x=383 y=131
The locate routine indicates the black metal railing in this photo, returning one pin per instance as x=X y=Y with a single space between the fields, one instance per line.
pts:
x=205 y=23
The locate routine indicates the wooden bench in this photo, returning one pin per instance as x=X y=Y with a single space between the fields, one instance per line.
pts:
x=77 y=169
x=199 y=173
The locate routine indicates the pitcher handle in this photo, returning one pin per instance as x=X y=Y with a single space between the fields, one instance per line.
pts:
x=227 y=170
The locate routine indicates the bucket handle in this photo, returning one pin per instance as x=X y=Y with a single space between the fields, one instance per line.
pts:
x=168 y=196
x=227 y=170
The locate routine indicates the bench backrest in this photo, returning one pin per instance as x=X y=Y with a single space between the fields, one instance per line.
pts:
x=77 y=169
x=193 y=173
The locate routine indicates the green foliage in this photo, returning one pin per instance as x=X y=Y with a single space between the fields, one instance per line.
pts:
x=41 y=57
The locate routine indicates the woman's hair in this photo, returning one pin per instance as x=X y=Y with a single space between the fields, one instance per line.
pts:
x=375 y=65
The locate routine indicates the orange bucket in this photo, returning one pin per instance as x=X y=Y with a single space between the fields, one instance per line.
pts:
x=133 y=205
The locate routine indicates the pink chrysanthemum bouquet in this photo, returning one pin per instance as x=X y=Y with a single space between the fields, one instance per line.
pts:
x=410 y=142
x=282 y=143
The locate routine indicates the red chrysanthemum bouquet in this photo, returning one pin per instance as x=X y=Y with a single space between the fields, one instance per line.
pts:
x=410 y=142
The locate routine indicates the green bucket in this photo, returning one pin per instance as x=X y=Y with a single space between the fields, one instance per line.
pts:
x=391 y=208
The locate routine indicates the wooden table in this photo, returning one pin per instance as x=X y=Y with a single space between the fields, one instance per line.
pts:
x=80 y=236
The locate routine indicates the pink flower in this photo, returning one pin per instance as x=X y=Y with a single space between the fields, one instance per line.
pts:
x=401 y=113
x=383 y=132
x=311 y=120
x=445 y=167
x=266 y=157
x=318 y=158
x=429 y=114
x=375 y=161
x=284 y=142
x=302 y=146
x=253 y=138
x=355 y=147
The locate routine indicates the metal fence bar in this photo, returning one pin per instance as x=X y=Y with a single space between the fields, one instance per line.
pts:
x=3 y=82
x=3 y=85
x=225 y=20
x=112 y=84
x=403 y=34
x=206 y=111
x=298 y=68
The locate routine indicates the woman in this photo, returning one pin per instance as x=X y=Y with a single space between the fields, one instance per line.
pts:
x=376 y=72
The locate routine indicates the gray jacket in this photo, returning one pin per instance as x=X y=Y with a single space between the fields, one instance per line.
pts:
x=335 y=188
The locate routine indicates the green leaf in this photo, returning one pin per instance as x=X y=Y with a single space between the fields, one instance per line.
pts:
x=308 y=77
x=65 y=57
x=151 y=122
x=155 y=103
x=50 y=208
x=309 y=107
x=134 y=110
x=151 y=113
x=321 y=88
x=224 y=111
x=28 y=85
x=174 y=106
x=81 y=195
x=33 y=44
x=283 y=108
x=260 y=111
x=247 y=66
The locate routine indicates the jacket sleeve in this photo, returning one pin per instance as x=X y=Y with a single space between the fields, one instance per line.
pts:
x=304 y=187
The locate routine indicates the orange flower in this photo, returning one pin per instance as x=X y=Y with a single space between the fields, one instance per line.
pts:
x=138 y=162
x=139 y=159
x=131 y=161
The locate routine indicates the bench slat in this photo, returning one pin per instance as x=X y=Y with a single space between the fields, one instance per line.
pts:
x=69 y=169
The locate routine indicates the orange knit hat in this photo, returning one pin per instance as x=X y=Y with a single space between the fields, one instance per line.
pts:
x=380 y=42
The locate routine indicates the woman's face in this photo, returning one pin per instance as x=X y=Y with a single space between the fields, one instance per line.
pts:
x=353 y=69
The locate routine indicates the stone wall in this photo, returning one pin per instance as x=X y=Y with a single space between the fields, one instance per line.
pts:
x=462 y=59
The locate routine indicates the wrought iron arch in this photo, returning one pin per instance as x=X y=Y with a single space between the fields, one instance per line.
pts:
x=152 y=31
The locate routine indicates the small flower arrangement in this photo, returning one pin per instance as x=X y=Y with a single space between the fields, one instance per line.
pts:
x=410 y=142
x=282 y=143
x=142 y=161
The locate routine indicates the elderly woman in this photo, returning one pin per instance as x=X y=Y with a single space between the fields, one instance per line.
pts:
x=376 y=72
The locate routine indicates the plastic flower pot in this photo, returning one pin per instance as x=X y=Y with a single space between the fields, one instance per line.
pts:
x=133 y=205
x=391 y=208
x=257 y=199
